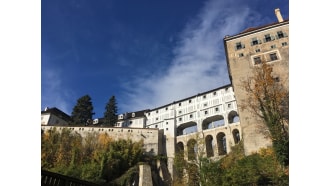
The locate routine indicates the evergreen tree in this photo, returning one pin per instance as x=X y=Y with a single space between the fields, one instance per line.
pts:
x=83 y=111
x=110 y=114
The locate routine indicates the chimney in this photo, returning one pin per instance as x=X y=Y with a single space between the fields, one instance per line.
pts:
x=278 y=15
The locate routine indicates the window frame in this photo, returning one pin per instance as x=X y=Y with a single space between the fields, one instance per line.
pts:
x=273 y=56
x=268 y=38
x=255 y=41
x=239 y=46
x=257 y=60
x=280 y=34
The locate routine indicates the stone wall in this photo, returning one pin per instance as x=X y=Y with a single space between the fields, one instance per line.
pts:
x=150 y=137
x=241 y=62
x=145 y=178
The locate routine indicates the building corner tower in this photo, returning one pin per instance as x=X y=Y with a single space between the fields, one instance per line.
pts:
x=245 y=51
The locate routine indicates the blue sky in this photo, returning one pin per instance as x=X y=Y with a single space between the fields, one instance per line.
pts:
x=146 y=53
x=151 y=43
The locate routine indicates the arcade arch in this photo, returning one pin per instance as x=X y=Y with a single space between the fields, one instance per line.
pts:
x=233 y=117
x=221 y=142
x=180 y=147
x=209 y=146
x=186 y=128
x=236 y=136
x=213 y=122
x=192 y=149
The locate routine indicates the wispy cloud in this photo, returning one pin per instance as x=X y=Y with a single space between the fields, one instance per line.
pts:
x=199 y=63
x=53 y=91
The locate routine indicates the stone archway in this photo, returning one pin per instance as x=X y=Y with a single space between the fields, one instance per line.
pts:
x=209 y=146
x=213 y=122
x=233 y=117
x=192 y=149
x=236 y=135
x=221 y=142
x=180 y=147
x=186 y=128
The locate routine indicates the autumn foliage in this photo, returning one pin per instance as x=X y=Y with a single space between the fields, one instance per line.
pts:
x=96 y=157
x=268 y=99
x=261 y=168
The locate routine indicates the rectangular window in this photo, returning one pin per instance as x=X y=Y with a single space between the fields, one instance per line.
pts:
x=239 y=46
x=257 y=50
x=268 y=38
x=180 y=119
x=190 y=115
x=257 y=60
x=229 y=105
x=273 y=56
x=190 y=101
x=179 y=104
x=156 y=126
x=273 y=46
x=205 y=112
x=217 y=109
x=255 y=41
x=214 y=93
x=280 y=34
x=240 y=55
x=284 y=44
x=204 y=96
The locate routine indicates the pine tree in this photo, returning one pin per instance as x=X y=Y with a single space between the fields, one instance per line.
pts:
x=110 y=114
x=83 y=111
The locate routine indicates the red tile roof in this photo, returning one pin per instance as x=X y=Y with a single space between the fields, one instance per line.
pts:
x=260 y=27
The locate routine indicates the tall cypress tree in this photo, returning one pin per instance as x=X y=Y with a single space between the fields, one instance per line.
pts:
x=110 y=114
x=83 y=111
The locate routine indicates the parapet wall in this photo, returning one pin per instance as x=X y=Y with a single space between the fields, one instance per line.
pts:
x=150 y=137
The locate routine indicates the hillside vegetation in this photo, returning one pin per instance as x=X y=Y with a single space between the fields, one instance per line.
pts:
x=95 y=158
x=235 y=169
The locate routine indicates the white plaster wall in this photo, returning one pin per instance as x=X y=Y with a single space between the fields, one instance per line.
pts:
x=51 y=119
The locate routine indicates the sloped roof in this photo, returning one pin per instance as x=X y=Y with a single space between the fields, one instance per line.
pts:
x=137 y=114
x=260 y=27
x=57 y=112
x=256 y=29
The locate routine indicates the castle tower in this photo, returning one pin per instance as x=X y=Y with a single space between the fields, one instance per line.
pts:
x=244 y=51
